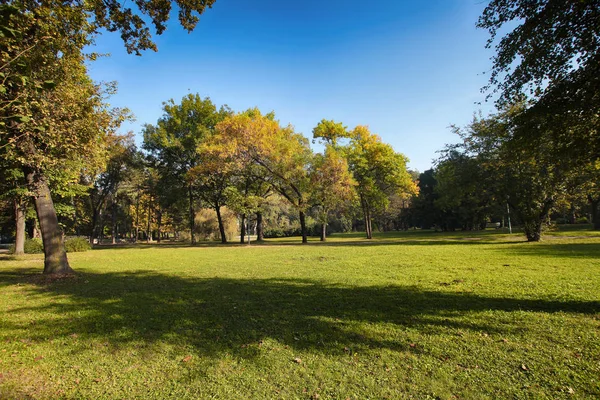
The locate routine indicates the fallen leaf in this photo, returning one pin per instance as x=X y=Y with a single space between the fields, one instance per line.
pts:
x=186 y=358
x=413 y=345
x=504 y=340
x=97 y=380
x=38 y=358
x=77 y=381
x=524 y=367
x=298 y=360
x=570 y=390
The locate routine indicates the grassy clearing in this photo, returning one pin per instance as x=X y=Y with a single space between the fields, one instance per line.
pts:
x=409 y=315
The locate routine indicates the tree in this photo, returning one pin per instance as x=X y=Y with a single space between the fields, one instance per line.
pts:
x=332 y=185
x=550 y=54
x=379 y=172
x=281 y=153
x=524 y=173
x=173 y=144
x=42 y=76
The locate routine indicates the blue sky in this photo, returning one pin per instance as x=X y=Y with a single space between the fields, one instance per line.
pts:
x=407 y=69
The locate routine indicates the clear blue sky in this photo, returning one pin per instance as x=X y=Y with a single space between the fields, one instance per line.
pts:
x=408 y=69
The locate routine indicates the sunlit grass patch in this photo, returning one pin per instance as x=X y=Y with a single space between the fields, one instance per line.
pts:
x=409 y=315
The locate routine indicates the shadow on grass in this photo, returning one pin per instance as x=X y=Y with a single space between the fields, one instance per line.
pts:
x=219 y=315
x=336 y=242
x=559 y=250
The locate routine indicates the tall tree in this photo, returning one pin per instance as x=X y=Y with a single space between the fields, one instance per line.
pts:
x=173 y=144
x=523 y=172
x=283 y=154
x=549 y=51
x=379 y=172
x=50 y=110
x=332 y=185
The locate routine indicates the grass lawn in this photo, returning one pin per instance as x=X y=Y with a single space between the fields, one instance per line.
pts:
x=407 y=315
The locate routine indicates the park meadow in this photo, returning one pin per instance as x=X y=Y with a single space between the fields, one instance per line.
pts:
x=414 y=314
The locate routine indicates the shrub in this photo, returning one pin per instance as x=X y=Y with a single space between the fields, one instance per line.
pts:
x=32 y=246
x=582 y=220
x=77 y=244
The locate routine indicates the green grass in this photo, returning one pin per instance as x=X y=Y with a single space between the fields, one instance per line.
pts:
x=408 y=315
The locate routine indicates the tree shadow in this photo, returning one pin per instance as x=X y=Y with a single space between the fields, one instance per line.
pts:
x=218 y=315
x=560 y=250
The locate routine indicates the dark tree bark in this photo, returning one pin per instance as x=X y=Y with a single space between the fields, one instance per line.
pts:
x=148 y=223
x=260 y=234
x=55 y=256
x=192 y=215
x=137 y=216
x=20 y=231
x=303 y=227
x=243 y=228
x=221 y=226
x=158 y=224
x=323 y=232
x=595 y=204
x=114 y=220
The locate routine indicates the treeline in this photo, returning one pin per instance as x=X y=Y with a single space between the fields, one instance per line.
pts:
x=509 y=167
x=205 y=172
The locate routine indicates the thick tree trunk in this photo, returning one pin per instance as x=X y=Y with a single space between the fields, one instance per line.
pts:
x=221 y=226
x=20 y=231
x=55 y=256
x=192 y=215
x=323 y=232
x=303 y=227
x=243 y=228
x=260 y=234
x=533 y=230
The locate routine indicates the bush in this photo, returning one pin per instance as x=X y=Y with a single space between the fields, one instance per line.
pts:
x=32 y=246
x=77 y=244
x=582 y=220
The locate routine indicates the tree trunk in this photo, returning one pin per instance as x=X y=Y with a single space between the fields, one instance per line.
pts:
x=55 y=256
x=20 y=234
x=158 y=224
x=221 y=226
x=303 y=227
x=533 y=230
x=594 y=204
x=114 y=221
x=101 y=234
x=323 y=232
x=243 y=228
x=192 y=215
x=260 y=235
x=148 y=224
x=94 y=224
x=367 y=217
x=137 y=216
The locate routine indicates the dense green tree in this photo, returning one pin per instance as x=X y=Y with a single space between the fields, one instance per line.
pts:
x=523 y=171
x=50 y=110
x=549 y=51
x=172 y=145
x=379 y=172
